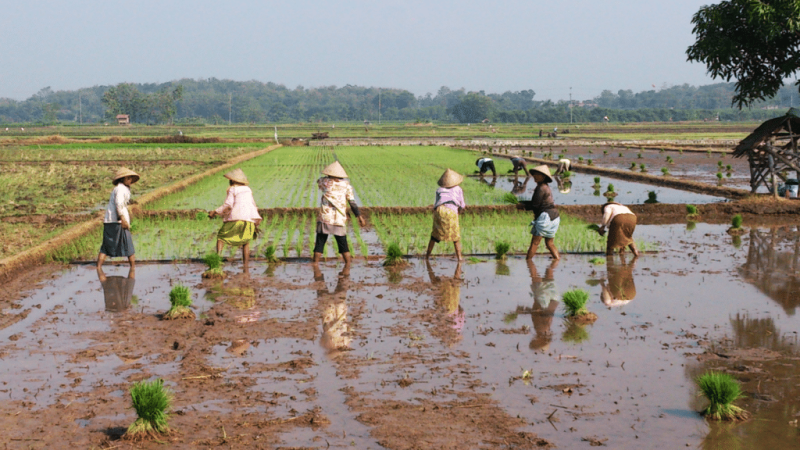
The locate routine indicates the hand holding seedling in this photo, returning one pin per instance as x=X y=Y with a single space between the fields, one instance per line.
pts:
x=212 y=214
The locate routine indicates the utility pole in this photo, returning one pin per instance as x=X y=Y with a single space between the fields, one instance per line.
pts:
x=379 y=106
x=230 y=97
x=80 y=109
x=570 y=104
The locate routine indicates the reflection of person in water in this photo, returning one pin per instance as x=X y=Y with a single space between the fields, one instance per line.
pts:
x=449 y=298
x=520 y=187
x=545 y=304
x=564 y=185
x=335 y=336
x=491 y=183
x=618 y=288
x=117 y=290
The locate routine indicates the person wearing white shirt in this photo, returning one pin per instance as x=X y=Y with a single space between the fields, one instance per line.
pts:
x=117 y=238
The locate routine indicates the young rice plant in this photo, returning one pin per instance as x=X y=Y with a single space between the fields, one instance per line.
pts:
x=575 y=302
x=151 y=400
x=181 y=299
x=721 y=390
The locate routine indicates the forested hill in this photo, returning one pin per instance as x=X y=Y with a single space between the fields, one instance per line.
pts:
x=218 y=101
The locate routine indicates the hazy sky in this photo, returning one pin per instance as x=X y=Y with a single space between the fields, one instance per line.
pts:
x=494 y=46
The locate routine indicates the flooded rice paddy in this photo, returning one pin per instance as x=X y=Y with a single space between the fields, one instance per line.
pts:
x=293 y=356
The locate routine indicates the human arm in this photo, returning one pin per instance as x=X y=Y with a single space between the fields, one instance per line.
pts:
x=121 y=205
x=351 y=200
x=226 y=206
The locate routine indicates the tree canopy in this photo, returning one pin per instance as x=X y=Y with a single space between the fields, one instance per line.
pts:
x=756 y=42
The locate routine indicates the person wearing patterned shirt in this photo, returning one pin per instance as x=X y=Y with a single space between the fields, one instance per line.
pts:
x=337 y=193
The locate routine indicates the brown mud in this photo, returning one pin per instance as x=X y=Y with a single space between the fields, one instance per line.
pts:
x=433 y=356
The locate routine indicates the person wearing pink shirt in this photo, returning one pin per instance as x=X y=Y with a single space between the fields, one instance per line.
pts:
x=239 y=215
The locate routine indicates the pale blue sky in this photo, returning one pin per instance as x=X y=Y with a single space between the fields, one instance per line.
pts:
x=546 y=46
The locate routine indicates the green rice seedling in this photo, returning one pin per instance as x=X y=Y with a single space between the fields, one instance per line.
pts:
x=639 y=156
x=214 y=263
x=501 y=248
x=575 y=302
x=728 y=168
x=736 y=221
x=201 y=215
x=502 y=269
x=642 y=167
x=510 y=198
x=605 y=152
x=566 y=174
x=597 y=260
x=610 y=188
x=151 y=401
x=665 y=171
x=269 y=254
x=691 y=210
x=620 y=155
x=728 y=174
x=394 y=255
x=597 y=181
x=589 y=162
x=633 y=166
x=593 y=227
x=691 y=225
x=181 y=299
x=719 y=164
x=721 y=390
x=652 y=197
x=719 y=176
x=580 y=158
x=590 y=152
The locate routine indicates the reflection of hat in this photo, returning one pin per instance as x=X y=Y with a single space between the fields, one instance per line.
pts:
x=335 y=170
x=544 y=170
x=450 y=178
x=564 y=189
x=124 y=172
x=238 y=176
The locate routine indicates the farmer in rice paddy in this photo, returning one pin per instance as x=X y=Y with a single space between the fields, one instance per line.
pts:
x=545 y=214
x=117 y=238
x=449 y=204
x=239 y=215
x=563 y=166
x=332 y=218
x=485 y=165
x=519 y=164
x=620 y=222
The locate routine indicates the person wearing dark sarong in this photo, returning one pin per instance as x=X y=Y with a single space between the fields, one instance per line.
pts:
x=117 y=238
x=620 y=222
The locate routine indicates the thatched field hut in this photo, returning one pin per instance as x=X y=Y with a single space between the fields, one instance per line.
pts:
x=772 y=150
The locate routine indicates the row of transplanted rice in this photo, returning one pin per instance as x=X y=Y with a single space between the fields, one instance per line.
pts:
x=381 y=176
x=201 y=153
x=56 y=188
x=293 y=236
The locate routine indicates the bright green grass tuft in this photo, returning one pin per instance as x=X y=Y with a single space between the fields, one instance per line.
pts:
x=213 y=260
x=736 y=221
x=151 y=400
x=721 y=390
x=575 y=302
x=501 y=248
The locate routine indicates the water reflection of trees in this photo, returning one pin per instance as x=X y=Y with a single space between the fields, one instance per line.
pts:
x=773 y=265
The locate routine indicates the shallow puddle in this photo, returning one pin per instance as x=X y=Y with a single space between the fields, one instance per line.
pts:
x=443 y=332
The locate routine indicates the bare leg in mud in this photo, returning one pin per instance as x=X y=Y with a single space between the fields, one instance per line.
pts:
x=246 y=255
x=219 y=246
x=457 y=245
x=431 y=243
x=347 y=258
x=634 y=250
x=317 y=256
x=548 y=242
x=101 y=258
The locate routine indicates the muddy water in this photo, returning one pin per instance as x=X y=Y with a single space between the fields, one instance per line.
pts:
x=440 y=334
x=583 y=192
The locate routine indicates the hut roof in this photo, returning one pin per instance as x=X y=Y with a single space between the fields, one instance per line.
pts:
x=767 y=129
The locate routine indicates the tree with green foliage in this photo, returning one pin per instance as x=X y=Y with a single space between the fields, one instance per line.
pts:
x=755 y=42
x=472 y=108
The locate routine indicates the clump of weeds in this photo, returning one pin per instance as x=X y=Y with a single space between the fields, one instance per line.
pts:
x=181 y=299
x=501 y=249
x=721 y=390
x=214 y=263
x=151 y=400
x=575 y=304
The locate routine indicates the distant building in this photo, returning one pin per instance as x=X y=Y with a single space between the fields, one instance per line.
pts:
x=123 y=119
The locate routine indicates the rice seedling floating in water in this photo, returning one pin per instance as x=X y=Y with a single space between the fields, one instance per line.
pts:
x=575 y=304
x=597 y=260
x=181 y=299
x=510 y=198
x=501 y=248
x=394 y=256
x=269 y=254
x=721 y=390
x=151 y=400
x=214 y=263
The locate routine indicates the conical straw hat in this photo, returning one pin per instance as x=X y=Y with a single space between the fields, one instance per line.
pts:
x=450 y=178
x=544 y=170
x=238 y=176
x=125 y=172
x=335 y=170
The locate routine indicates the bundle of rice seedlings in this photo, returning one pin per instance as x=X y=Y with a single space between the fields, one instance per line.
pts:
x=610 y=187
x=394 y=256
x=510 y=198
x=501 y=248
x=721 y=390
x=597 y=260
x=736 y=221
x=665 y=171
x=633 y=166
x=201 y=215
x=642 y=167
x=575 y=304
x=181 y=299
x=652 y=197
x=566 y=174
x=719 y=176
x=151 y=400
x=691 y=209
x=589 y=162
x=214 y=263
x=269 y=254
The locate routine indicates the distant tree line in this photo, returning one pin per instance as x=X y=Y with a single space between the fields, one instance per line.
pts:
x=215 y=101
